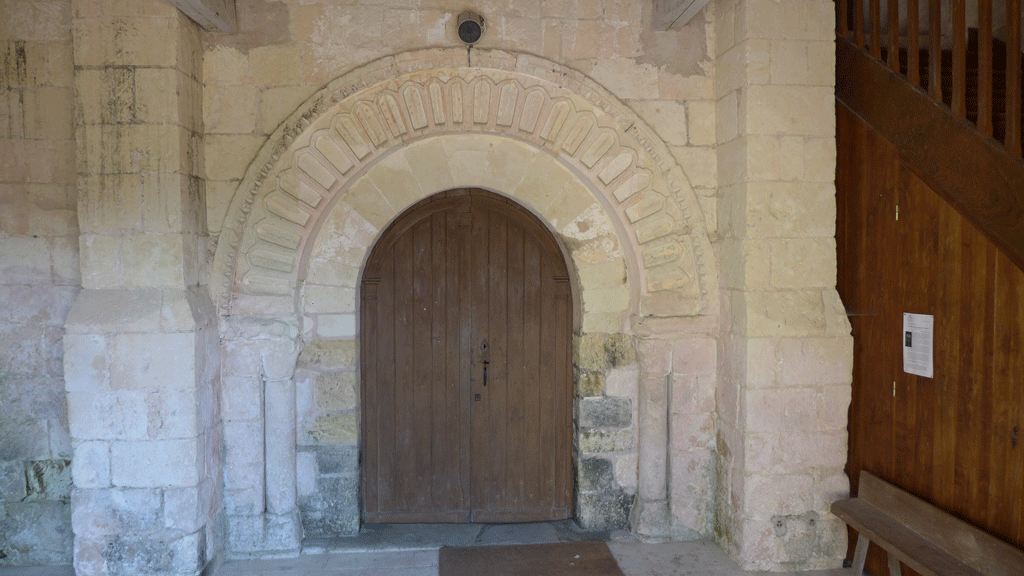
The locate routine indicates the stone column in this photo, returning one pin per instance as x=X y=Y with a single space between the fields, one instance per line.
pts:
x=650 y=516
x=785 y=355
x=259 y=430
x=141 y=351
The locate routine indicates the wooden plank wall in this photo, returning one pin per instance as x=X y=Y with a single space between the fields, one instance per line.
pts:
x=956 y=440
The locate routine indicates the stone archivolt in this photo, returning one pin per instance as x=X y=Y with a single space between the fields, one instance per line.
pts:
x=356 y=121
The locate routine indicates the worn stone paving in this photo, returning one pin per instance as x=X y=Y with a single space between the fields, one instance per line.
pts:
x=412 y=550
x=634 y=558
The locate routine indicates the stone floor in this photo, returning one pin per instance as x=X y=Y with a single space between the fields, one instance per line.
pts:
x=411 y=550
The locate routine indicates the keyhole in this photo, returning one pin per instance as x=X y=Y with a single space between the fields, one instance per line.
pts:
x=1014 y=435
x=483 y=347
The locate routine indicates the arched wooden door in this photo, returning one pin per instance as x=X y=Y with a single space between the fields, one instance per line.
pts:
x=466 y=319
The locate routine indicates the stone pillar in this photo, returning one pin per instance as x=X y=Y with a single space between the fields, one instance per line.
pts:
x=785 y=355
x=141 y=350
x=650 y=516
x=259 y=430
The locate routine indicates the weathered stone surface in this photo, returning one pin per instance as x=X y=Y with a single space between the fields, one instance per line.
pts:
x=603 y=351
x=35 y=533
x=596 y=440
x=131 y=554
x=329 y=354
x=334 y=391
x=13 y=486
x=335 y=429
x=333 y=510
x=337 y=459
x=605 y=412
x=109 y=512
x=595 y=474
x=264 y=533
x=603 y=510
x=49 y=480
x=590 y=383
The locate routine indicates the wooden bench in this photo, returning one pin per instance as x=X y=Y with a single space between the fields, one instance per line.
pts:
x=925 y=538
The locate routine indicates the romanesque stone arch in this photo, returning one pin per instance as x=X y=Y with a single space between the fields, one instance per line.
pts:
x=384 y=111
x=371 y=144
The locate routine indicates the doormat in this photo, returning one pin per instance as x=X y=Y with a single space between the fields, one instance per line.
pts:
x=556 y=559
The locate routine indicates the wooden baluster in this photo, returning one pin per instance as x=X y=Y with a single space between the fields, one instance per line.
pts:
x=893 y=59
x=935 y=49
x=959 y=102
x=913 y=46
x=876 y=30
x=858 y=23
x=1013 y=78
x=985 y=67
x=843 y=16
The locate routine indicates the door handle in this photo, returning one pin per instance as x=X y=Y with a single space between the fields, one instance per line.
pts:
x=485 y=372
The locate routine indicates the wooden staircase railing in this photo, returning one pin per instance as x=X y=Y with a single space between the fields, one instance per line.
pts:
x=977 y=76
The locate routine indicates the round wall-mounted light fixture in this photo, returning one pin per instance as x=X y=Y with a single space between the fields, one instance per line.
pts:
x=471 y=27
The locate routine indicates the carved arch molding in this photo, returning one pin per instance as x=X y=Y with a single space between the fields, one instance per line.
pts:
x=358 y=119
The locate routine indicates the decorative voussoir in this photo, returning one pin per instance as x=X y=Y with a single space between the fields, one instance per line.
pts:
x=344 y=132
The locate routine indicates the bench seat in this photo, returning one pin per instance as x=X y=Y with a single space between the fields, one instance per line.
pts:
x=921 y=536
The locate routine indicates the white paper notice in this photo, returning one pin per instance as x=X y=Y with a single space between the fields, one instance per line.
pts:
x=918 y=332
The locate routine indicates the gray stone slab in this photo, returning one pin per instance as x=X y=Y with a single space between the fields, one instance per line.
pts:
x=385 y=537
x=532 y=533
x=63 y=570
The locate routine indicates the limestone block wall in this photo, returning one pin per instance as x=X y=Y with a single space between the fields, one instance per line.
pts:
x=39 y=278
x=287 y=51
x=302 y=226
x=142 y=355
x=327 y=462
x=785 y=351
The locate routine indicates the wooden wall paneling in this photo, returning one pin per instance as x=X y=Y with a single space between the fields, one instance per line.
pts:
x=916 y=248
x=950 y=439
x=974 y=174
x=1006 y=513
x=887 y=333
x=944 y=384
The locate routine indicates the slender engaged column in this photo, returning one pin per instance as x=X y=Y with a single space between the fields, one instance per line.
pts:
x=279 y=445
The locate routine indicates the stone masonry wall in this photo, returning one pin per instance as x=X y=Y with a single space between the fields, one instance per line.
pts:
x=605 y=367
x=286 y=51
x=785 y=354
x=141 y=353
x=327 y=461
x=39 y=278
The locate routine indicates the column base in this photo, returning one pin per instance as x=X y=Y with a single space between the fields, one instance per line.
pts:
x=264 y=535
x=651 y=520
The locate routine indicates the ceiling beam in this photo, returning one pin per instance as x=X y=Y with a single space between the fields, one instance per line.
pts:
x=675 y=13
x=213 y=15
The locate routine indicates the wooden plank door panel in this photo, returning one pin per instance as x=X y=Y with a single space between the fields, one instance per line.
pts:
x=466 y=322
